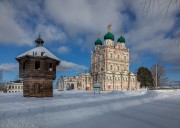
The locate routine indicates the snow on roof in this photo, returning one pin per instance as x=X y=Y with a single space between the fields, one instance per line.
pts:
x=39 y=51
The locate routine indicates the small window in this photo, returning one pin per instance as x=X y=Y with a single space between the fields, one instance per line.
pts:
x=9 y=87
x=24 y=65
x=42 y=53
x=37 y=64
x=50 y=66
x=18 y=87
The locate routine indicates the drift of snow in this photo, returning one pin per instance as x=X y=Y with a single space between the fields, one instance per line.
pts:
x=70 y=106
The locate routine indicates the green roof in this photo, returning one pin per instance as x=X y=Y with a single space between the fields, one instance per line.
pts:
x=109 y=35
x=121 y=39
x=98 y=42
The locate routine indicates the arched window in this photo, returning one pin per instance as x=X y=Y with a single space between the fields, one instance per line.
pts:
x=125 y=58
x=111 y=68
x=124 y=68
x=111 y=55
x=118 y=57
x=118 y=68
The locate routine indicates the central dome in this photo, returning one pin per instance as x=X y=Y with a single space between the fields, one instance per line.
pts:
x=109 y=35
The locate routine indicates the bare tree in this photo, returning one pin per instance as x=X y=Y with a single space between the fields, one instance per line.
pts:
x=164 y=8
x=1 y=76
x=159 y=75
x=1 y=81
x=164 y=5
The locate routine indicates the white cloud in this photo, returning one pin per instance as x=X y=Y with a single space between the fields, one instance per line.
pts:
x=8 y=67
x=152 y=32
x=80 y=20
x=84 y=16
x=67 y=66
x=10 y=31
x=63 y=50
x=23 y=20
x=50 y=33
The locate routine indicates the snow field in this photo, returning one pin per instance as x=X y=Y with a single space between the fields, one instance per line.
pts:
x=69 y=106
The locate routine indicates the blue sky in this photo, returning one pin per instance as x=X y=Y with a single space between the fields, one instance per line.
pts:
x=69 y=29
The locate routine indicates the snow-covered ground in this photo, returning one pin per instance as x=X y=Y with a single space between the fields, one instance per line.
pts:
x=84 y=109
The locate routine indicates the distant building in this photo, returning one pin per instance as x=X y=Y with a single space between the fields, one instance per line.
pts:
x=110 y=64
x=37 y=67
x=15 y=86
x=67 y=83
x=80 y=82
x=84 y=81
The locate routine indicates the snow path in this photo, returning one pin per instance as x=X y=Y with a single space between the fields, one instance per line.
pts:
x=162 y=113
x=69 y=107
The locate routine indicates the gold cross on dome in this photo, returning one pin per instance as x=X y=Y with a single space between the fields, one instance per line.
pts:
x=98 y=34
x=121 y=33
x=109 y=27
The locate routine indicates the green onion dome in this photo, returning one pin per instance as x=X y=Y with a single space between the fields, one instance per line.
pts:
x=109 y=35
x=121 y=39
x=98 y=42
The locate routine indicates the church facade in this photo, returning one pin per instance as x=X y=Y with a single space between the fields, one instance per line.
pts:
x=110 y=63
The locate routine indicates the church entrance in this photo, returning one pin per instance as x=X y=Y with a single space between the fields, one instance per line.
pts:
x=72 y=86
x=69 y=86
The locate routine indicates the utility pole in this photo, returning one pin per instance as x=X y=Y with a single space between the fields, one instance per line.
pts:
x=121 y=81
x=156 y=75
x=113 y=81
